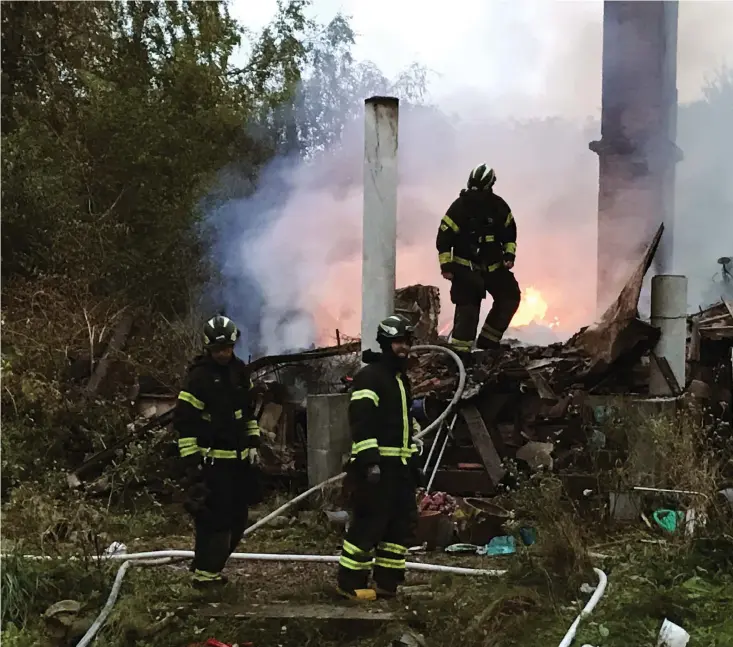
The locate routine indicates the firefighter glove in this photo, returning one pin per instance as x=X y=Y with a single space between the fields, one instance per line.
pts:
x=373 y=474
x=254 y=456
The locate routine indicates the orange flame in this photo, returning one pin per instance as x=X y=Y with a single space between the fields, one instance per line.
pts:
x=533 y=307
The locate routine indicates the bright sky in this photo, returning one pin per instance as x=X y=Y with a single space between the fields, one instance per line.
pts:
x=530 y=56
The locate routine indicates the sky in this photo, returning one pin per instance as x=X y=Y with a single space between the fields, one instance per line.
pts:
x=507 y=50
x=495 y=65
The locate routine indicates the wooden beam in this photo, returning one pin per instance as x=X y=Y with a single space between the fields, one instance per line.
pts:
x=116 y=344
x=483 y=443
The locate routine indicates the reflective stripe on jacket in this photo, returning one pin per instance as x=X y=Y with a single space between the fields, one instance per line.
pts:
x=214 y=415
x=478 y=231
x=379 y=415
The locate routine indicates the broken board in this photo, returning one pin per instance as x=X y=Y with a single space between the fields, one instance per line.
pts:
x=287 y=611
x=483 y=443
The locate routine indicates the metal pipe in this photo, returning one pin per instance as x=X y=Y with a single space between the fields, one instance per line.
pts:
x=448 y=433
x=669 y=314
x=432 y=447
x=379 y=260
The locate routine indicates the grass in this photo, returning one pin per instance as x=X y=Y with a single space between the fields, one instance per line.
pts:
x=689 y=581
x=648 y=582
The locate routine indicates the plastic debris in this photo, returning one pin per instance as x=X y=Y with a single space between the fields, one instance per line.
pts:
x=672 y=635
x=528 y=535
x=115 y=548
x=463 y=548
x=668 y=519
x=501 y=546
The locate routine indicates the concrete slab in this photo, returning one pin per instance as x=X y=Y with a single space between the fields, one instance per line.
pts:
x=290 y=611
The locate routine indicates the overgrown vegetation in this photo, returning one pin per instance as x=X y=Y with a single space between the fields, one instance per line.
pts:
x=653 y=574
x=125 y=124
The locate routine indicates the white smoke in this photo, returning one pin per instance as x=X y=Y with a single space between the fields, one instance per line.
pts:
x=304 y=253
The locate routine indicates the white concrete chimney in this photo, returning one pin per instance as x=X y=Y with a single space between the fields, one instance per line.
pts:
x=378 y=272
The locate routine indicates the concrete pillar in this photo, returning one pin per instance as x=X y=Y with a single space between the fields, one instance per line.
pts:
x=669 y=314
x=637 y=151
x=380 y=216
x=329 y=438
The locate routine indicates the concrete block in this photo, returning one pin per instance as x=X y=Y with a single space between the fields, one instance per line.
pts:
x=329 y=437
x=625 y=506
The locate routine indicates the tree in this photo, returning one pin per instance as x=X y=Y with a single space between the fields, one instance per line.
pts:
x=117 y=117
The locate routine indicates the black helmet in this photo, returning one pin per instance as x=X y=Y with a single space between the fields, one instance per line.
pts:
x=481 y=178
x=394 y=327
x=220 y=331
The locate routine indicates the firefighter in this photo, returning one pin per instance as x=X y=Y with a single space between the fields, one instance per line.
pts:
x=383 y=473
x=477 y=245
x=218 y=437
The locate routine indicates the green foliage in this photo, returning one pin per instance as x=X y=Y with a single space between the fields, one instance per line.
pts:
x=114 y=135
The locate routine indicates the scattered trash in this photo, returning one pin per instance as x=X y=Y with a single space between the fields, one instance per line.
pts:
x=337 y=518
x=437 y=502
x=672 y=635
x=115 y=548
x=501 y=546
x=596 y=440
x=528 y=535
x=60 y=617
x=537 y=455
x=462 y=548
x=668 y=519
x=409 y=639
x=418 y=549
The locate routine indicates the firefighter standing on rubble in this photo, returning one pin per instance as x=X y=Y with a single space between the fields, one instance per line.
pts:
x=477 y=245
x=383 y=474
x=218 y=437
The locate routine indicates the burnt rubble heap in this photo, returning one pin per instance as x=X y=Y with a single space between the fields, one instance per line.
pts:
x=537 y=406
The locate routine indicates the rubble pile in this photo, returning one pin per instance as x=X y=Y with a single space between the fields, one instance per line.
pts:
x=540 y=406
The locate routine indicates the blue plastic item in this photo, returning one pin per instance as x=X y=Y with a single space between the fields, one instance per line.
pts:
x=528 y=535
x=501 y=546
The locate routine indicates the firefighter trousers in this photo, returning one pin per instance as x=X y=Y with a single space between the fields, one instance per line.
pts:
x=384 y=520
x=468 y=290
x=221 y=518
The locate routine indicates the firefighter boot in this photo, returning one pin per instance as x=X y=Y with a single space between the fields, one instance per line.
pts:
x=360 y=595
x=212 y=554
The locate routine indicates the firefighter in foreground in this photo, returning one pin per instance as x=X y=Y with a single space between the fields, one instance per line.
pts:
x=477 y=245
x=383 y=474
x=218 y=437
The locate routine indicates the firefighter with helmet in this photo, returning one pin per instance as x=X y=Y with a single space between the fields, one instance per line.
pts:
x=477 y=246
x=383 y=473
x=218 y=437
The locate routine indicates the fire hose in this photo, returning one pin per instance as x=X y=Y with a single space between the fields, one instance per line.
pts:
x=166 y=555
x=433 y=425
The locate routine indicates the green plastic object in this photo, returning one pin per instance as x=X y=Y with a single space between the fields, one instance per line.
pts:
x=668 y=519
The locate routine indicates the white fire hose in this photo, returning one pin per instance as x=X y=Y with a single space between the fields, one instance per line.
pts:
x=165 y=556
x=433 y=425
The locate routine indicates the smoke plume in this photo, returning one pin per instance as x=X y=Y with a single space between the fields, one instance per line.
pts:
x=292 y=251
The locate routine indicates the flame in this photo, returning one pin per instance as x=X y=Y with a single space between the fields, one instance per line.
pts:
x=533 y=307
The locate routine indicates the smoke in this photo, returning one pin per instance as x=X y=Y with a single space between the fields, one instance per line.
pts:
x=292 y=251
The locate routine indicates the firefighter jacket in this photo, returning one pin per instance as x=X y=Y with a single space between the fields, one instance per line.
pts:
x=380 y=414
x=214 y=415
x=477 y=231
